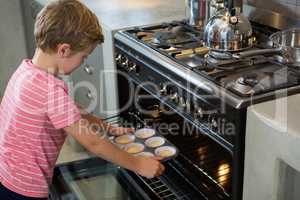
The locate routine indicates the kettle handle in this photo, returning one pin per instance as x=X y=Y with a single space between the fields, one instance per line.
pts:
x=256 y=52
x=228 y=4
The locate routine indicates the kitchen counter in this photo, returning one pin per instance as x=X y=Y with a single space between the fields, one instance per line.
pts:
x=272 y=158
x=69 y=154
x=118 y=14
x=281 y=114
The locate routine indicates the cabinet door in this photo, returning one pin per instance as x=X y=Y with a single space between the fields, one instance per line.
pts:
x=30 y=9
x=88 y=83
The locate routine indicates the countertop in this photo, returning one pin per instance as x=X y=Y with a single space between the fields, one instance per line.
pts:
x=119 y=14
x=281 y=114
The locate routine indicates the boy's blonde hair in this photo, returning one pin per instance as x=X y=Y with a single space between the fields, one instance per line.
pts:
x=67 y=21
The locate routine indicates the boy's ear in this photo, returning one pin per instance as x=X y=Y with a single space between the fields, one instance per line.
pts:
x=64 y=50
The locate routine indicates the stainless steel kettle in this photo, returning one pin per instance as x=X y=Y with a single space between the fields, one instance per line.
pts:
x=228 y=30
x=197 y=12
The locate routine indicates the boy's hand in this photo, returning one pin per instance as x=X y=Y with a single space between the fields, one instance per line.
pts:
x=117 y=131
x=149 y=167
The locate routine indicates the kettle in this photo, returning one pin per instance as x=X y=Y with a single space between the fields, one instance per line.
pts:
x=197 y=12
x=229 y=30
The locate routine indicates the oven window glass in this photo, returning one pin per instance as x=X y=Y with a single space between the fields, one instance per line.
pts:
x=92 y=179
x=97 y=188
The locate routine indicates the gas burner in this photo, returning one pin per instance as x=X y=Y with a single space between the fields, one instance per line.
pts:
x=176 y=36
x=285 y=61
x=220 y=55
x=249 y=79
x=246 y=83
x=233 y=64
x=243 y=89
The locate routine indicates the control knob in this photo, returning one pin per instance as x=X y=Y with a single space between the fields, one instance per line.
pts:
x=188 y=106
x=88 y=69
x=132 y=67
x=199 y=113
x=118 y=58
x=182 y=102
x=124 y=62
x=174 y=97
x=163 y=89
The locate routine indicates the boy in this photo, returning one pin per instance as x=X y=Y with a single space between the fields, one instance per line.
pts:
x=36 y=112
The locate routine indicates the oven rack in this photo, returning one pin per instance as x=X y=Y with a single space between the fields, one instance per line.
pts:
x=156 y=185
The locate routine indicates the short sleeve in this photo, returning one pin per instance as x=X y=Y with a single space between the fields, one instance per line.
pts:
x=61 y=109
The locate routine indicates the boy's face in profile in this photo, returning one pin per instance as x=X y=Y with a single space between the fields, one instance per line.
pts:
x=70 y=60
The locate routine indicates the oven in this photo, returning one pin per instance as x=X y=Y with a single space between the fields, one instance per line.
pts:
x=208 y=134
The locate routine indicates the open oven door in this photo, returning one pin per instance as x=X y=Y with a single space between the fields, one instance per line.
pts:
x=95 y=179
x=92 y=179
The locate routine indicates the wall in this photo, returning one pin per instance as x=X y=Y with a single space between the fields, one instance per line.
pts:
x=12 y=40
x=286 y=7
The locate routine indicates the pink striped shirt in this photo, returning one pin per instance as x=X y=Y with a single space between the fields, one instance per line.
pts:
x=33 y=111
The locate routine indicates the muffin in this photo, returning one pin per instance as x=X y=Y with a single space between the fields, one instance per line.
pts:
x=154 y=142
x=134 y=148
x=165 y=151
x=144 y=133
x=145 y=154
x=124 y=139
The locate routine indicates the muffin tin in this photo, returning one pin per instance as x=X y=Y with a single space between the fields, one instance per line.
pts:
x=146 y=142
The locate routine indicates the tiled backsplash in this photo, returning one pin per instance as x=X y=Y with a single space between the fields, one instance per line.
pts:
x=285 y=7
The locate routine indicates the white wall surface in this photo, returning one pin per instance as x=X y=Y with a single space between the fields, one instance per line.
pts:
x=289 y=8
x=272 y=158
x=12 y=40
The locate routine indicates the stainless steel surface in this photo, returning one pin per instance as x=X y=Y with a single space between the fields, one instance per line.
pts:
x=269 y=18
x=286 y=43
x=90 y=95
x=197 y=12
x=226 y=32
x=289 y=40
x=201 y=82
x=88 y=69
x=215 y=6
x=245 y=54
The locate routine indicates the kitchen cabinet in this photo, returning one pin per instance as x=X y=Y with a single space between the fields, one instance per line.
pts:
x=87 y=82
x=12 y=40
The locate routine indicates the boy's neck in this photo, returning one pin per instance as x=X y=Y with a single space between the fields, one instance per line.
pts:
x=45 y=62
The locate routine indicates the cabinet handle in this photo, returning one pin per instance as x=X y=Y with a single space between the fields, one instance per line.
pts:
x=90 y=95
x=88 y=69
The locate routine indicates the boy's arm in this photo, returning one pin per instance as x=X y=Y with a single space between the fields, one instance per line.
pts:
x=102 y=147
x=102 y=124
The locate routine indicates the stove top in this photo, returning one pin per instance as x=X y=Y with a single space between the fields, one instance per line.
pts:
x=183 y=46
x=245 y=77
